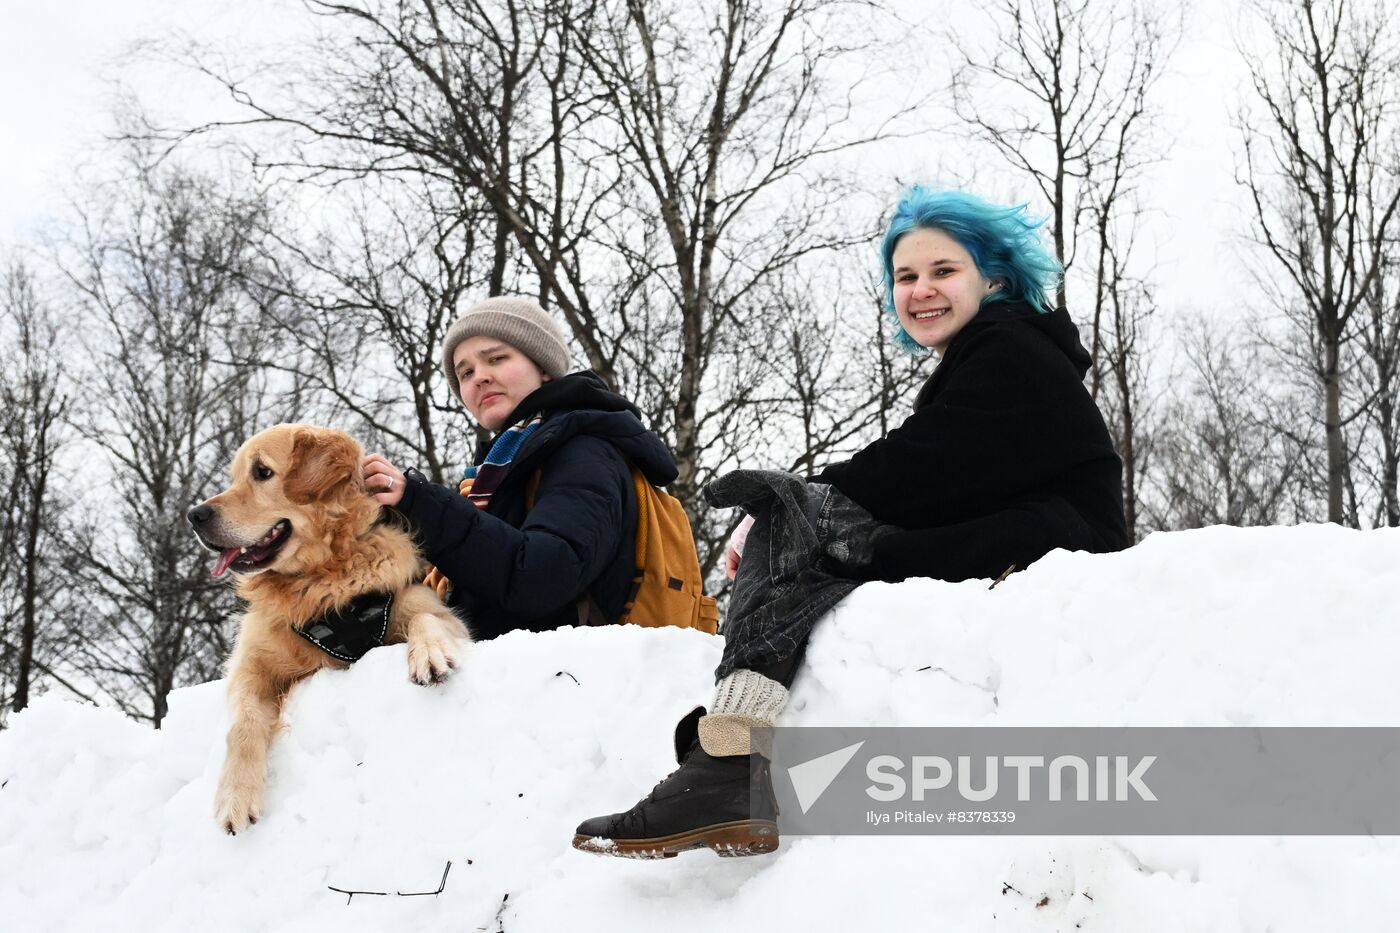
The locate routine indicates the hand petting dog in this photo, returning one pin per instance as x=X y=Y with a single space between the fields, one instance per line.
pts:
x=383 y=481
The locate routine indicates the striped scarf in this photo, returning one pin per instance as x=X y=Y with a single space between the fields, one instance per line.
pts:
x=482 y=480
x=478 y=482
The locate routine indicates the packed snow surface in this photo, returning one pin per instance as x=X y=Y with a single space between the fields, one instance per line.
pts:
x=375 y=784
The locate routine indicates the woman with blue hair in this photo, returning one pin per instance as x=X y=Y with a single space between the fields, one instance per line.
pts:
x=1004 y=458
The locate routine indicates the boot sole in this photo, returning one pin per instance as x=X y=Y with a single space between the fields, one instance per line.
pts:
x=728 y=840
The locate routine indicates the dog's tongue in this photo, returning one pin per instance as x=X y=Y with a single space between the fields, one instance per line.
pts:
x=225 y=558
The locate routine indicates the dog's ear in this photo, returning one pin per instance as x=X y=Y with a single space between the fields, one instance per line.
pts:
x=321 y=462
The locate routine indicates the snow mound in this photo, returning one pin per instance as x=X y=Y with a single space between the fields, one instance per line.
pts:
x=376 y=784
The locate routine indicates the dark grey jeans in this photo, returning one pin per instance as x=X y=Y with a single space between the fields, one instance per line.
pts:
x=804 y=554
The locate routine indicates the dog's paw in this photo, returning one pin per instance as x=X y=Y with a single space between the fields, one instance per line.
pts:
x=237 y=808
x=433 y=653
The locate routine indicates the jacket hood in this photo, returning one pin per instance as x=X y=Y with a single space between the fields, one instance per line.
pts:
x=573 y=392
x=1057 y=325
x=582 y=403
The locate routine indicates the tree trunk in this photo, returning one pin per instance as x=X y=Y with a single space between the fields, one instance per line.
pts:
x=1127 y=447
x=28 y=625
x=1336 y=455
x=1390 y=461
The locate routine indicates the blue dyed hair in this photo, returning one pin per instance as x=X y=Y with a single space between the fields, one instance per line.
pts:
x=1004 y=242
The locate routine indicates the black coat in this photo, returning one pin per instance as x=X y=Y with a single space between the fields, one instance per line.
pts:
x=1004 y=458
x=512 y=570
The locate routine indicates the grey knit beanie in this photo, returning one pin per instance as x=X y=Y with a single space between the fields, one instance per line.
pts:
x=520 y=322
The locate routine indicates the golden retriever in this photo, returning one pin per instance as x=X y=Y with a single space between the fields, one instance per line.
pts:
x=303 y=538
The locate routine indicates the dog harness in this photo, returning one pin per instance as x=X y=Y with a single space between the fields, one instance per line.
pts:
x=348 y=632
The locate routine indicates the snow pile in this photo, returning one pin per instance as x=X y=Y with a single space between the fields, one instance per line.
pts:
x=375 y=783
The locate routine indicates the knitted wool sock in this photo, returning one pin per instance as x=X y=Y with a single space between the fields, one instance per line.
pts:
x=744 y=700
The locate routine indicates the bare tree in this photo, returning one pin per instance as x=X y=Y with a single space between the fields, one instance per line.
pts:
x=1125 y=304
x=1062 y=93
x=715 y=112
x=1234 y=446
x=33 y=403
x=1380 y=343
x=649 y=167
x=1378 y=349
x=364 y=310
x=167 y=329
x=485 y=98
x=1322 y=187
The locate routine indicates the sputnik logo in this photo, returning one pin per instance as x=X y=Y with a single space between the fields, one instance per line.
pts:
x=811 y=778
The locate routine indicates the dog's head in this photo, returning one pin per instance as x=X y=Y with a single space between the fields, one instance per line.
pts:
x=296 y=502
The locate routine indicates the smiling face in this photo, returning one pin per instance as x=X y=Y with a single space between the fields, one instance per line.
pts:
x=937 y=287
x=494 y=377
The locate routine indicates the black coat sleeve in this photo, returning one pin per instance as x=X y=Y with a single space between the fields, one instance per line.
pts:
x=565 y=542
x=1012 y=415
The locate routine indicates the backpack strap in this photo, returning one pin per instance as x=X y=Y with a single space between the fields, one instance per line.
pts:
x=639 y=488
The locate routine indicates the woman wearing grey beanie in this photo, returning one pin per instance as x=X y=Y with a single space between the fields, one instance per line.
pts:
x=512 y=556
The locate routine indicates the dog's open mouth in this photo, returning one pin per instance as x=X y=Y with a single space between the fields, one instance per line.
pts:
x=254 y=556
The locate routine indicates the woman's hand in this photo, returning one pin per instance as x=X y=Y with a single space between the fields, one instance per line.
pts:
x=735 y=551
x=383 y=481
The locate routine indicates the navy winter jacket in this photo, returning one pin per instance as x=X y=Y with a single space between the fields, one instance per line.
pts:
x=516 y=570
x=1004 y=458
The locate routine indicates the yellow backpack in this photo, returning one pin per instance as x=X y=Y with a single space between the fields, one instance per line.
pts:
x=667 y=588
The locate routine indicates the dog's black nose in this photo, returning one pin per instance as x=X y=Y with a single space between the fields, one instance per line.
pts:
x=199 y=514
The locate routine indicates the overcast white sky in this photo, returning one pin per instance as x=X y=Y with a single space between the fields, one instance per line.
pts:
x=57 y=61
x=53 y=57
